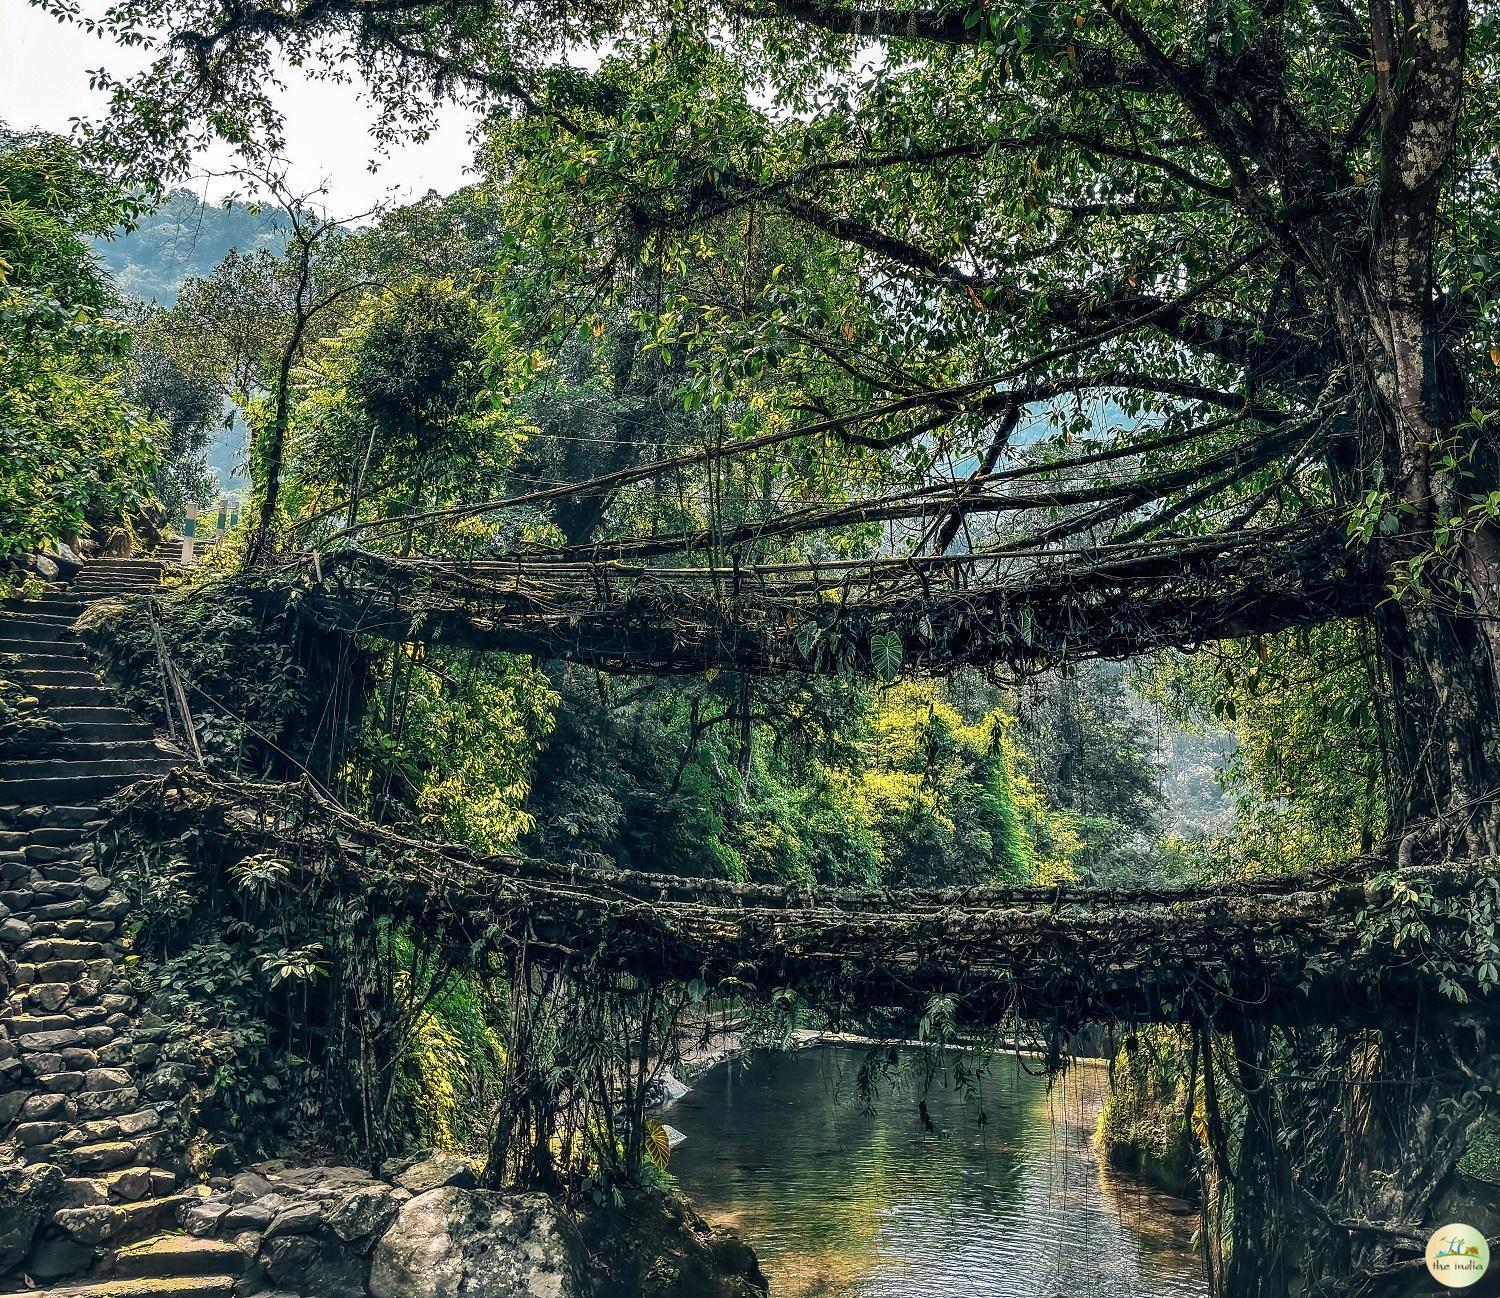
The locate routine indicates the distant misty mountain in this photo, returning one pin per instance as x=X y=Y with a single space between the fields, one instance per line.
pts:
x=182 y=239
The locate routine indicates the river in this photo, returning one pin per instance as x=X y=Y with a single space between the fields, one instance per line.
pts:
x=843 y=1203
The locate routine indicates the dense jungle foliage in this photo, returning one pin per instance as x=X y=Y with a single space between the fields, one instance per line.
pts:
x=428 y=378
x=1000 y=298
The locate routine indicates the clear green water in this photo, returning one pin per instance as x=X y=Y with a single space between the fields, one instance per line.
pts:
x=839 y=1203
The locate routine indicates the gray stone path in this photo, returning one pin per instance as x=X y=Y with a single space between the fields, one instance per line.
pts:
x=90 y=1133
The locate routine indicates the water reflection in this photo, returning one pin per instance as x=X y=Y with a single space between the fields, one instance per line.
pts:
x=844 y=1204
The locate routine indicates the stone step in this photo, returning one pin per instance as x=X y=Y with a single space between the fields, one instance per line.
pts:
x=93 y=695
x=187 y=1286
x=121 y=590
x=56 y=603
x=178 y=1255
x=48 y=648
x=128 y=729
x=58 y=671
x=121 y=1223
x=89 y=585
x=110 y=714
x=132 y=563
x=43 y=655
x=45 y=768
x=71 y=789
x=52 y=835
x=111 y=567
x=52 y=657
x=96 y=588
x=50 y=815
x=74 y=747
x=28 y=626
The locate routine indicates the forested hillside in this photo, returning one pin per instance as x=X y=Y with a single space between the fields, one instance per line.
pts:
x=181 y=238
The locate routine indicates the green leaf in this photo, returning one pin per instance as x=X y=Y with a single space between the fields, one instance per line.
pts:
x=885 y=655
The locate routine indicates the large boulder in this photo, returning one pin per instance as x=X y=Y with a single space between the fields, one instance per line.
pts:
x=653 y=1245
x=459 y=1243
x=28 y=1197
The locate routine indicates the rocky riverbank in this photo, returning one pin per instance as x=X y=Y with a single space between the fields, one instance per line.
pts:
x=423 y=1229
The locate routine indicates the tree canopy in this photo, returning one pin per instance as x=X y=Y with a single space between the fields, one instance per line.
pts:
x=73 y=451
x=1243 y=244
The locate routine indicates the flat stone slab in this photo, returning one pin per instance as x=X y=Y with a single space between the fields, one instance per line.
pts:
x=182 y=1286
x=182 y=1255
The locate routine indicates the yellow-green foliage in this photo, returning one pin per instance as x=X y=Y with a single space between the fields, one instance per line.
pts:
x=454 y=1062
x=471 y=729
x=931 y=783
x=1307 y=770
x=910 y=784
x=407 y=405
x=73 y=451
x=1145 y=1125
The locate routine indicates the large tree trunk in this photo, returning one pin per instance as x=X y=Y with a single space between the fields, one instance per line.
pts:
x=1437 y=634
x=1406 y=1118
x=1440 y=635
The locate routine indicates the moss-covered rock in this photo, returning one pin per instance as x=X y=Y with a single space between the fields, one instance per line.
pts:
x=28 y=1195
x=480 y=1244
x=656 y=1246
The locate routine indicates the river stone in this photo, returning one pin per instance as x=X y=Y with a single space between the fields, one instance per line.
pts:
x=41 y=1106
x=50 y=1042
x=129 y=1183
x=249 y=1186
x=203 y=1219
x=248 y=1216
x=361 y=1213
x=458 y=1243
x=297 y=1219
x=13 y=932
x=669 y=1088
x=38 y=1133
x=48 y=996
x=91 y=1225
x=103 y=1156
x=133 y=1124
x=436 y=1171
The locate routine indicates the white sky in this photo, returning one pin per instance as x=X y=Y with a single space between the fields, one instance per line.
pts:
x=44 y=83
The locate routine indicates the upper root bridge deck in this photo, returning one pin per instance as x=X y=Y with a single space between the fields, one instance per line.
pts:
x=1022 y=610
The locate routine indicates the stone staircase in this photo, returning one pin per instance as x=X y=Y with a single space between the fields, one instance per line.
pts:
x=89 y=1121
x=169 y=548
